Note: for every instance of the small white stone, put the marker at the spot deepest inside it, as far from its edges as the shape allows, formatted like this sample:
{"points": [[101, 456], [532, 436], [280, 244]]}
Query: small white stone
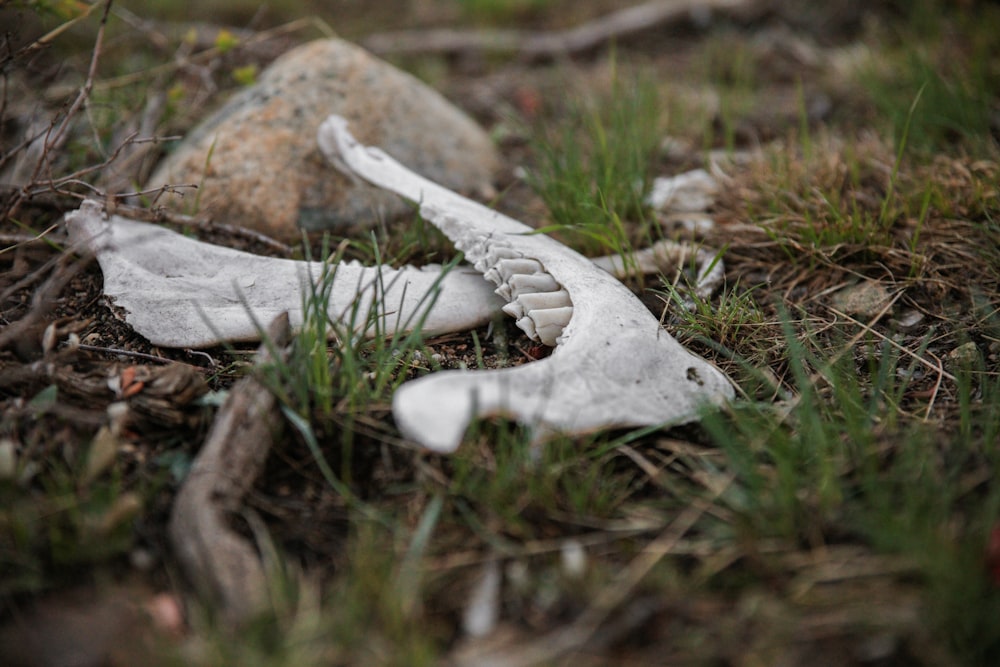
{"points": [[483, 611], [574, 559]]}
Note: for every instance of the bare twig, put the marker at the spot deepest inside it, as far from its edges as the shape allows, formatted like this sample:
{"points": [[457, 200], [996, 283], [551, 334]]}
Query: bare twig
{"points": [[46, 39], [128, 169], [201, 56], [127, 353], [55, 141], [867, 328], [55, 137], [542, 45], [578, 634], [17, 240], [164, 215]]}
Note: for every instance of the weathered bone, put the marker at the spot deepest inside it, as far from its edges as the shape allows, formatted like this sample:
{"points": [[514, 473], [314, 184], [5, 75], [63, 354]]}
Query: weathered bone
{"points": [[613, 364], [178, 292]]}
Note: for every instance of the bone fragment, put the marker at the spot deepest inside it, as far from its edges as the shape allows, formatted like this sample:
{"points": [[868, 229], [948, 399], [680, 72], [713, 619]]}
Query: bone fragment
{"points": [[613, 365], [691, 191], [178, 292], [664, 256]]}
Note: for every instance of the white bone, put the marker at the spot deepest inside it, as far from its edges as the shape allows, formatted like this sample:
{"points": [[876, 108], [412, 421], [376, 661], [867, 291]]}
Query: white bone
{"points": [[508, 268], [178, 292], [513, 309], [691, 191], [668, 255], [550, 323], [613, 365]]}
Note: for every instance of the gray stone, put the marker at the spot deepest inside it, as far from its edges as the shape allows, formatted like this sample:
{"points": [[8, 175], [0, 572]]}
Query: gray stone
{"points": [[257, 164], [965, 356], [865, 299]]}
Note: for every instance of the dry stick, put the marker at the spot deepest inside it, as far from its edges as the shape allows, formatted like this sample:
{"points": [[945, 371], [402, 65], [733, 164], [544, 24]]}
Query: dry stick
{"points": [[844, 349], [17, 240], [120, 175], [64, 269], [164, 215], [222, 565], [55, 140], [868, 329], [539, 45], [46, 39], [126, 353], [939, 368]]}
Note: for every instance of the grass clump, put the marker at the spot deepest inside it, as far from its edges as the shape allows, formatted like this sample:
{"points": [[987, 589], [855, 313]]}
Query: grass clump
{"points": [[328, 388], [592, 170], [958, 79], [840, 459]]}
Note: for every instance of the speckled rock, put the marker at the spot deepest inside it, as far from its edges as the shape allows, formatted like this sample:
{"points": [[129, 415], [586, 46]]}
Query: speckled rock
{"points": [[264, 170]]}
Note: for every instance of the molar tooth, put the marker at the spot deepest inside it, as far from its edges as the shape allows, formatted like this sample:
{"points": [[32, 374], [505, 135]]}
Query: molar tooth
{"points": [[504, 292], [544, 300], [493, 275], [498, 252], [526, 325], [550, 322], [519, 265], [513, 309], [550, 334], [536, 282]]}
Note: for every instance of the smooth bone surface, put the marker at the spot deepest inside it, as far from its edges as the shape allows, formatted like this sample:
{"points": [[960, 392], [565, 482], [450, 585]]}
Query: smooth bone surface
{"points": [[613, 364], [179, 292]]}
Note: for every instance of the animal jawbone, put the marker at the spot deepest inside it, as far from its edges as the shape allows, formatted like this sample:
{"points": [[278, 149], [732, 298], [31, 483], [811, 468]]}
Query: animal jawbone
{"points": [[613, 365]]}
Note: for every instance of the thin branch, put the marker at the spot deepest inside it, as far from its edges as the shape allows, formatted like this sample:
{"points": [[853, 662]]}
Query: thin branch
{"points": [[45, 39], [545, 45], [55, 142], [17, 240], [164, 215], [937, 368], [127, 353]]}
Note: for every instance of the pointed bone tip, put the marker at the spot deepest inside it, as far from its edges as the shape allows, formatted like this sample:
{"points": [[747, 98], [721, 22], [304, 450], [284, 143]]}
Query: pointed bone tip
{"points": [[333, 125], [89, 208], [88, 222], [329, 134]]}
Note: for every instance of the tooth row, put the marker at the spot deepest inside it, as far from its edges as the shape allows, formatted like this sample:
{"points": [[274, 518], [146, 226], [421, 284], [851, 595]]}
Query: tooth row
{"points": [[539, 304]]}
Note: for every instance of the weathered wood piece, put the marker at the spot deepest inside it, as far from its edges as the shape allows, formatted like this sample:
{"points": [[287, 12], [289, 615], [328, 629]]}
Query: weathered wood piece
{"points": [[222, 565]]}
